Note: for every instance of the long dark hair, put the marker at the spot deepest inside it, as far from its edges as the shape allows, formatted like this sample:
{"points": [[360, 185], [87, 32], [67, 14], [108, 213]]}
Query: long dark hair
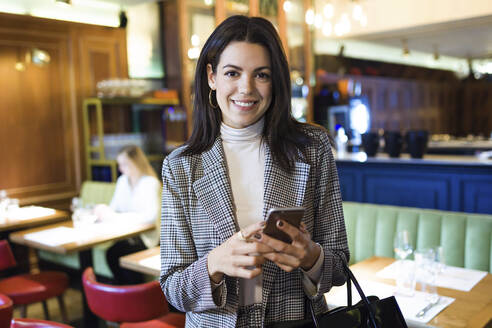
{"points": [[282, 133]]}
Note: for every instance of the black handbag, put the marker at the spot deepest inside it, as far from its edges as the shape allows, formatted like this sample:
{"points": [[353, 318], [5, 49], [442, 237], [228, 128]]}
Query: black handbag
{"points": [[370, 312]]}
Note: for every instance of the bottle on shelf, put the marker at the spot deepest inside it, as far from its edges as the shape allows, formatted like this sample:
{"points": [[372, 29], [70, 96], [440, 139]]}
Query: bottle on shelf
{"points": [[341, 141]]}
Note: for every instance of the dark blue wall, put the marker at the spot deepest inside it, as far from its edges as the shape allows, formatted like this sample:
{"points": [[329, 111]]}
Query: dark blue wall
{"points": [[445, 187]]}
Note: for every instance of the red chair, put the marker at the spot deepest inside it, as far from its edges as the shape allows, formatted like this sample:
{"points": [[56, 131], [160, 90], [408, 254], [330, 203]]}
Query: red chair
{"points": [[6, 308], [135, 306], [35, 323], [25, 289]]}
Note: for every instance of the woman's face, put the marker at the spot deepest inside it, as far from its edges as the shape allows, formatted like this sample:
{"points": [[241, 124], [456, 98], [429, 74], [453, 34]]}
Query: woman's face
{"points": [[126, 166], [243, 83]]}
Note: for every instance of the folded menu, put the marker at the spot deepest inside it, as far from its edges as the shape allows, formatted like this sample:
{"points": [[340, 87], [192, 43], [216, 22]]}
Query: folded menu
{"points": [[451, 277], [153, 262], [409, 305], [30, 212]]}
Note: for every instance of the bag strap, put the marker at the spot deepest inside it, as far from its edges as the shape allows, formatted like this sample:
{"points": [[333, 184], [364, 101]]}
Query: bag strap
{"points": [[350, 278], [349, 292]]}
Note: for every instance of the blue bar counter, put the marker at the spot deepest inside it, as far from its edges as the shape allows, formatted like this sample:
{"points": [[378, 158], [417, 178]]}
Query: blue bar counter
{"points": [[444, 182]]}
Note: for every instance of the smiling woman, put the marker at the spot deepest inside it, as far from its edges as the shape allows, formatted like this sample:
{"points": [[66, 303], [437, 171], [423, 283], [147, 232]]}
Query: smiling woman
{"points": [[242, 83], [247, 154]]}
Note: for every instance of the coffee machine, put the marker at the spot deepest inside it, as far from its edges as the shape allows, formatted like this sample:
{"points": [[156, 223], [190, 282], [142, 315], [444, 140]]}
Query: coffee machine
{"points": [[353, 115]]}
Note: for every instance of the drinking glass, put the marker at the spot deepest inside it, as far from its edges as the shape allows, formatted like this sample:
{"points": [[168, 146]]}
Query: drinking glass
{"points": [[403, 245], [440, 259], [405, 279], [427, 271], [13, 205]]}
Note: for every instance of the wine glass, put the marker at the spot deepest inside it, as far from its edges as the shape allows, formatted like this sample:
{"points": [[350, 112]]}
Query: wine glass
{"points": [[403, 244], [405, 270]]}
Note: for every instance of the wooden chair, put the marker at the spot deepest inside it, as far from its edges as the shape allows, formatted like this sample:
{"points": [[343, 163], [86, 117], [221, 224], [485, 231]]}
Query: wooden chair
{"points": [[25, 289]]}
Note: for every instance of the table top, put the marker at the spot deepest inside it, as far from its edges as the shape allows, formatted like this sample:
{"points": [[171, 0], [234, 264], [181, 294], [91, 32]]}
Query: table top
{"points": [[90, 239], [133, 261], [16, 224], [470, 309]]}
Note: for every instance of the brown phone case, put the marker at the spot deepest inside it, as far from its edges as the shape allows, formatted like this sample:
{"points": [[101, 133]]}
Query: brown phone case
{"points": [[292, 215]]}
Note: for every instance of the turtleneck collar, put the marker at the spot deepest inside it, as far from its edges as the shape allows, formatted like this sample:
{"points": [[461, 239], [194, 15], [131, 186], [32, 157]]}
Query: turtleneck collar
{"points": [[249, 133]]}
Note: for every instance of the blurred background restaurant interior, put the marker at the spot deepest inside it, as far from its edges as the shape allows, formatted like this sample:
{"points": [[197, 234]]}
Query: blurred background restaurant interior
{"points": [[413, 65], [404, 88]]}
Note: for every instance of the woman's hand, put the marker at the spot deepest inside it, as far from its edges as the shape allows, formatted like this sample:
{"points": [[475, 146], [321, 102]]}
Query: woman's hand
{"points": [[302, 252], [239, 256]]}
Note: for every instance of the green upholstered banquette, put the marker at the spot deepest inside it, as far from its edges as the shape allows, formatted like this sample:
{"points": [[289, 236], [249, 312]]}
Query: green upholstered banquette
{"points": [[466, 238]]}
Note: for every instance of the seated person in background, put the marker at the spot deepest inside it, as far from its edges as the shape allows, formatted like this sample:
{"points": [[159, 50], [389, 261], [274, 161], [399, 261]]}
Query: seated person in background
{"points": [[136, 199]]}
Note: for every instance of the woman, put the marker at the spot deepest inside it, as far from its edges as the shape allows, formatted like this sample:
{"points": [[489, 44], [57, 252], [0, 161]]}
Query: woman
{"points": [[136, 199], [246, 155]]}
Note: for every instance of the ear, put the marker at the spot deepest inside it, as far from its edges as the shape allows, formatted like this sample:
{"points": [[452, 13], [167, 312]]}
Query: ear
{"points": [[211, 77]]}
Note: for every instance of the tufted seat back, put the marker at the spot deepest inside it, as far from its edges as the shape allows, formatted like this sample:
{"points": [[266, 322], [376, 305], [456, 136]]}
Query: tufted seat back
{"points": [[94, 192], [466, 238]]}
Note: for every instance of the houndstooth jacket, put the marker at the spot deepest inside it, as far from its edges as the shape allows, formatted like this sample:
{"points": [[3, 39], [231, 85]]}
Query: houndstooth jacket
{"points": [[198, 215]]}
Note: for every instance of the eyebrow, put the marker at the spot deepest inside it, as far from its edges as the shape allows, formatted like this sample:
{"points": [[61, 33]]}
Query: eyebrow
{"points": [[240, 69]]}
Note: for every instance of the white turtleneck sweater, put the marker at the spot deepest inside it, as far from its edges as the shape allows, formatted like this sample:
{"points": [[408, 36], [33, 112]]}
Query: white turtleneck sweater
{"points": [[245, 156]]}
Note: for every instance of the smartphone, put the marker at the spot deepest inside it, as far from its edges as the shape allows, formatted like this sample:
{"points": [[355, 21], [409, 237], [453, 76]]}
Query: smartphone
{"points": [[292, 215]]}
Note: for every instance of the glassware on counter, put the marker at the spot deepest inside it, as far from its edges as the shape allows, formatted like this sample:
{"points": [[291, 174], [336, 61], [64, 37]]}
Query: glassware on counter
{"points": [[114, 88]]}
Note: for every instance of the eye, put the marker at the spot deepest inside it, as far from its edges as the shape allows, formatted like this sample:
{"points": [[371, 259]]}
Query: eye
{"points": [[231, 73], [263, 76]]}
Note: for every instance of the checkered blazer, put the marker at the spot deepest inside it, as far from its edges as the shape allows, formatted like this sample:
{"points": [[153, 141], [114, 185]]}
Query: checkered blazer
{"points": [[198, 215]]}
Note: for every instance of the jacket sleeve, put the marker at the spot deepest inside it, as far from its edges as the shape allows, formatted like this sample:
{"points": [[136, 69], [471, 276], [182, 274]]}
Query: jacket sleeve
{"points": [[184, 277], [329, 225]]}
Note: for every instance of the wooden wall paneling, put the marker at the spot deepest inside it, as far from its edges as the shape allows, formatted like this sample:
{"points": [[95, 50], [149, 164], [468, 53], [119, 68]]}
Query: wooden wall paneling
{"points": [[282, 27], [187, 80], [308, 64], [254, 7], [172, 50], [220, 11], [101, 57], [401, 104], [484, 109], [37, 132], [40, 121]]}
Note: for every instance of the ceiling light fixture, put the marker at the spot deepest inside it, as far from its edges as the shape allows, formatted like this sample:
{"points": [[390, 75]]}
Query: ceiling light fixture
{"points": [[328, 10], [349, 13], [287, 6], [310, 16]]}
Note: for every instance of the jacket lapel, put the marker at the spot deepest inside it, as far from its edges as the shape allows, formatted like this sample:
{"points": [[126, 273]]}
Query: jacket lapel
{"points": [[213, 191], [281, 190]]}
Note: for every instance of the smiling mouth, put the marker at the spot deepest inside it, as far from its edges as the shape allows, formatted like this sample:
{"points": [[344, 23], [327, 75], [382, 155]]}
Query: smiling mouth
{"points": [[244, 103]]}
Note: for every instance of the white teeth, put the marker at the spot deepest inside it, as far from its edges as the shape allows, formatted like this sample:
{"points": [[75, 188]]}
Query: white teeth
{"points": [[244, 104]]}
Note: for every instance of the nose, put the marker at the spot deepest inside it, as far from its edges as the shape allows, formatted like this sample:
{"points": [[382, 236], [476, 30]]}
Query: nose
{"points": [[246, 84]]}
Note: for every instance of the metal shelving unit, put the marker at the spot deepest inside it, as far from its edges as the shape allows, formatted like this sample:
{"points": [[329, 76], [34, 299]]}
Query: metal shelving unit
{"points": [[95, 156]]}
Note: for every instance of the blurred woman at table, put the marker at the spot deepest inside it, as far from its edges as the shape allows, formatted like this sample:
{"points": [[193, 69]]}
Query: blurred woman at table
{"points": [[136, 199], [247, 154]]}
